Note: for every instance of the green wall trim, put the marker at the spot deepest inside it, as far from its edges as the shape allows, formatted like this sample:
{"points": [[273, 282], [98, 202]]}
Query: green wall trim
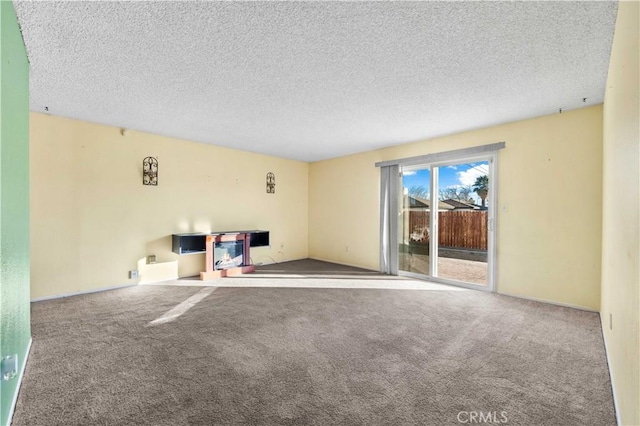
{"points": [[15, 329]]}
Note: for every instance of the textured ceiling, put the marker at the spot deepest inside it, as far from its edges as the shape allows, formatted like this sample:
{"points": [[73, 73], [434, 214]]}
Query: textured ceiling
{"points": [[314, 80]]}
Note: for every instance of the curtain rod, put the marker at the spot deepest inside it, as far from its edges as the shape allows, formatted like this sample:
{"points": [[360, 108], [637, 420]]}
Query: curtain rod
{"points": [[443, 156]]}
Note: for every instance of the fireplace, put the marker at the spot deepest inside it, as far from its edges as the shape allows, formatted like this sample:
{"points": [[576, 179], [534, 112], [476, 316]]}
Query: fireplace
{"points": [[227, 255]]}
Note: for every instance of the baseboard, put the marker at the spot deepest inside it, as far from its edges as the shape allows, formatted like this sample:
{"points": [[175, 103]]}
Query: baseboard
{"points": [[14, 401], [77, 293], [550, 302], [613, 387], [275, 262]]}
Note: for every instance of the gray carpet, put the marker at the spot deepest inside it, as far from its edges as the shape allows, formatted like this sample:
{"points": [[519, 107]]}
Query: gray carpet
{"points": [[312, 267], [305, 356]]}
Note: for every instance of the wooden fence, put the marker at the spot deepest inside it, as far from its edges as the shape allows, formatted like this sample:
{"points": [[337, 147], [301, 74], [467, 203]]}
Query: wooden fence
{"points": [[465, 229]]}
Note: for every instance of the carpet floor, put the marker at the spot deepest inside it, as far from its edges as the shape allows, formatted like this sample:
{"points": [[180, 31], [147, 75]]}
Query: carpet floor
{"points": [[314, 274], [178, 355]]}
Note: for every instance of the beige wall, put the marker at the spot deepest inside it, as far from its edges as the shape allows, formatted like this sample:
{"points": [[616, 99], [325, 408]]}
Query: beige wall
{"points": [[92, 219], [621, 205], [549, 195]]}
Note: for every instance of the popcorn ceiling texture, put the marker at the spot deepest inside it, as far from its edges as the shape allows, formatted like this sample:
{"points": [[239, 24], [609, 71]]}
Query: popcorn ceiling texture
{"points": [[314, 80]]}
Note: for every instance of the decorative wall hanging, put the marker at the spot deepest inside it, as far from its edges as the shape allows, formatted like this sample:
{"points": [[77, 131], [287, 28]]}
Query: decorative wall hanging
{"points": [[150, 171], [271, 183]]}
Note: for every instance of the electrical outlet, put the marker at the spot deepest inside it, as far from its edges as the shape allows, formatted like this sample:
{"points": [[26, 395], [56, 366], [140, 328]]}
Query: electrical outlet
{"points": [[133, 274], [346, 248], [9, 367], [151, 258], [610, 321]]}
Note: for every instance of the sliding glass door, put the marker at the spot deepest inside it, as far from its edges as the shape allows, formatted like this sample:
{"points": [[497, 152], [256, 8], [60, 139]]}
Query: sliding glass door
{"points": [[445, 225], [413, 226], [463, 222]]}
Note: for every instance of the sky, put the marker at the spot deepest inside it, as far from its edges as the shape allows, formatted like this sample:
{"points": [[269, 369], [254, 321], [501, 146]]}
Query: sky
{"points": [[456, 175]]}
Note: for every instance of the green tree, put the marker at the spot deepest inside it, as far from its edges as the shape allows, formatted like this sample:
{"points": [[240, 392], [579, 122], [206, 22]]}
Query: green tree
{"points": [[481, 187]]}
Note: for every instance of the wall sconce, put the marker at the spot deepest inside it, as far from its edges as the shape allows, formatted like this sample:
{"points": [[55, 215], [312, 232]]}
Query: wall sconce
{"points": [[150, 171], [271, 183]]}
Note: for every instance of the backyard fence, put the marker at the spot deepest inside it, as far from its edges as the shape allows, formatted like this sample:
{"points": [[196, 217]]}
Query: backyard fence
{"points": [[465, 229]]}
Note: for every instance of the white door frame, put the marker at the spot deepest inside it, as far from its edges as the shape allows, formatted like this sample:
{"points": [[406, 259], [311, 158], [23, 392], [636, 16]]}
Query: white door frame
{"points": [[491, 286]]}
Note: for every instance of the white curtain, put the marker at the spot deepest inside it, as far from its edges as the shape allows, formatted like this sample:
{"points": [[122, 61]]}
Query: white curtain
{"points": [[389, 195]]}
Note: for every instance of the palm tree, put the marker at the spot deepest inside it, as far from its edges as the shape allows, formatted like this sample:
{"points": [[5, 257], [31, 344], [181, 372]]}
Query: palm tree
{"points": [[481, 187]]}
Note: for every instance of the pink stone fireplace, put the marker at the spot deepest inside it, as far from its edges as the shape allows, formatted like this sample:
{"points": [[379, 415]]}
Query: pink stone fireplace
{"points": [[231, 259]]}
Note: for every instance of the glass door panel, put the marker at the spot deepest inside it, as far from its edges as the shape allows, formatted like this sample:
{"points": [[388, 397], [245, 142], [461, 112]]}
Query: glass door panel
{"points": [[463, 218], [413, 220]]}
